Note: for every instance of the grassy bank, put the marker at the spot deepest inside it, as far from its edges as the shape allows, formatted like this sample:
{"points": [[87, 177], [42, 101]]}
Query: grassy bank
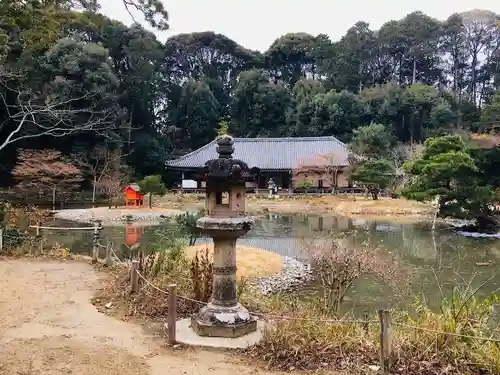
{"points": [[359, 206], [427, 343], [299, 336]]}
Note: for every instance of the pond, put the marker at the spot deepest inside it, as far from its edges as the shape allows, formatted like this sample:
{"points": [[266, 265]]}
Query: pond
{"points": [[436, 265]]}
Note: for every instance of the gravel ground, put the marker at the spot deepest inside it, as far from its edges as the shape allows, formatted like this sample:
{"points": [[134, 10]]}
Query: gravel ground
{"points": [[116, 215], [49, 327]]}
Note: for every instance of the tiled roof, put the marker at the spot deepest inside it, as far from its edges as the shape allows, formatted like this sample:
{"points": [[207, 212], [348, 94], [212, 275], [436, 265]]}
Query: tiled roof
{"points": [[273, 153], [136, 187]]}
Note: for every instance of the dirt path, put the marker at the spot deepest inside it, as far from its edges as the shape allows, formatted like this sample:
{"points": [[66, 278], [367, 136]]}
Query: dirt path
{"points": [[48, 326]]}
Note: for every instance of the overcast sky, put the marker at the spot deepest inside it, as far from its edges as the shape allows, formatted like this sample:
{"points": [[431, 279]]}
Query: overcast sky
{"points": [[256, 24]]}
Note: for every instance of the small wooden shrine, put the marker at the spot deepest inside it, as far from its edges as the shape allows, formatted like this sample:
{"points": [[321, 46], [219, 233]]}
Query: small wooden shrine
{"points": [[133, 196]]}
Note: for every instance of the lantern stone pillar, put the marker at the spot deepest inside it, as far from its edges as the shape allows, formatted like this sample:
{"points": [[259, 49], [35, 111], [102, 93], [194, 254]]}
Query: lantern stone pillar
{"points": [[226, 220]]}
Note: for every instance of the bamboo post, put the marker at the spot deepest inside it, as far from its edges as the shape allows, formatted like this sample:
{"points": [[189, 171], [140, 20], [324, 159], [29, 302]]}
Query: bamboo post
{"points": [[172, 313], [95, 242], [385, 340], [134, 277], [108, 261], [365, 323]]}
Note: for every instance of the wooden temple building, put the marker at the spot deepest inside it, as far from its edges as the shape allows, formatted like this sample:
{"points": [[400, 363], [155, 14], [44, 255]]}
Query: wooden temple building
{"points": [[316, 162]]}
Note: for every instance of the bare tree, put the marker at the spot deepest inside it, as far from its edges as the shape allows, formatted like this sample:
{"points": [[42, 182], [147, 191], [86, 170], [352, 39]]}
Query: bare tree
{"points": [[324, 166], [98, 163], [45, 170], [338, 264], [112, 182], [483, 42], [34, 115]]}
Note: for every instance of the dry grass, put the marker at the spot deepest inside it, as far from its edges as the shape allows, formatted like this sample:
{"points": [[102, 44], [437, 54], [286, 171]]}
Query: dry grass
{"points": [[180, 201], [171, 267], [251, 261], [307, 342], [485, 140], [312, 346], [343, 205], [346, 205], [381, 207]]}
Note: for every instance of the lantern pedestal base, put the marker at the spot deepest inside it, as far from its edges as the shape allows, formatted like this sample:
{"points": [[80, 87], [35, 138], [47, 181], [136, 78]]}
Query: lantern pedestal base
{"points": [[219, 321]]}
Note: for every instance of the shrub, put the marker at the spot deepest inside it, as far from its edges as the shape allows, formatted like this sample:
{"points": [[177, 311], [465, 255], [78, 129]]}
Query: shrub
{"points": [[337, 265], [16, 221], [186, 223], [3, 214], [22, 217], [13, 238]]}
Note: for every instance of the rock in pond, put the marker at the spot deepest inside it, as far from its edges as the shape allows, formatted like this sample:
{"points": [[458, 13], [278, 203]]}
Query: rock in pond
{"points": [[294, 274]]}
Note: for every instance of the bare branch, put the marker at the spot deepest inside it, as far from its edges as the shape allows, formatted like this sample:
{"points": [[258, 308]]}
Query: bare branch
{"points": [[152, 10], [34, 117], [338, 264], [99, 160], [113, 178], [325, 166]]}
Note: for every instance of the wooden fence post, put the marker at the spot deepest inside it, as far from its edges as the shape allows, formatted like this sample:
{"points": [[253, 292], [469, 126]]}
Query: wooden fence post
{"points": [[172, 313], [385, 340], [134, 277]]}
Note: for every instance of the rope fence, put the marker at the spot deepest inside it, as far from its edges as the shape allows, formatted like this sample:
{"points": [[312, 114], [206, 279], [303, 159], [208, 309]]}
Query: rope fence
{"points": [[385, 323], [453, 334]]}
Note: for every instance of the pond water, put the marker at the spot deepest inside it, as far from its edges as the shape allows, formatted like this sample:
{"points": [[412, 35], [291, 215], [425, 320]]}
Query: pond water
{"points": [[436, 265]]}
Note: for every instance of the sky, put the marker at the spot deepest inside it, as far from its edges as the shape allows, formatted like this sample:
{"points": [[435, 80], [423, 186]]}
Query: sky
{"points": [[256, 24]]}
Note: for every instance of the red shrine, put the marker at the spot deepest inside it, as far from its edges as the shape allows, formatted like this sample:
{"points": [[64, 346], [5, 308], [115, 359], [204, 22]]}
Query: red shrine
{"points": [[133, 196]]}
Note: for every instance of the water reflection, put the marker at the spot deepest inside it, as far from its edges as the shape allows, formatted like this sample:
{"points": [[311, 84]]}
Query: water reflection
{"points": [[437, 265], [133, 234]]}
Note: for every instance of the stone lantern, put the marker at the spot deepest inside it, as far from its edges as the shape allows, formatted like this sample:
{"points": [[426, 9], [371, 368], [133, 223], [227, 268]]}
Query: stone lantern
{"points": [[225, 221]]}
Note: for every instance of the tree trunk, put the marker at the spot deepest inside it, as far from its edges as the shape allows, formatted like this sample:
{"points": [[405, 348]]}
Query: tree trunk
{"points": [[414, 73], [109, 203], [94, 188], [150, 200], [474, 74], [411, 120], [54, 198]]}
